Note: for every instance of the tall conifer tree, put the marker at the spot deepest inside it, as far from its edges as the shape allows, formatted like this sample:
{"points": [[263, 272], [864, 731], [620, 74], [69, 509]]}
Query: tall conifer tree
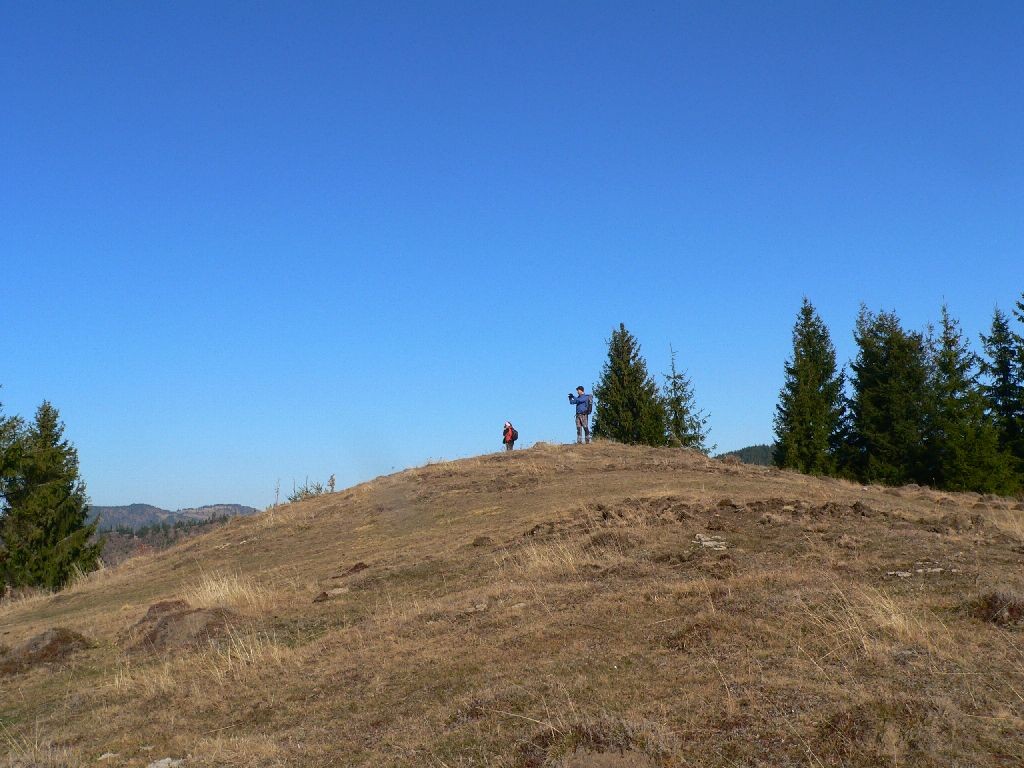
{"points": [[10, 436], [628, 406], [685, 425], [965, 454], [891, 402], [810, 410], [46, 537], [1003, 370]]}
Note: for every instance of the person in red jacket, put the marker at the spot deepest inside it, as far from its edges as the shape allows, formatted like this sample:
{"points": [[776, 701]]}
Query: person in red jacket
{"points": [[509, 436]]}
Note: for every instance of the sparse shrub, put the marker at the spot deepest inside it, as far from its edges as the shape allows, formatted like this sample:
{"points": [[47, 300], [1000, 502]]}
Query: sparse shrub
{"points": [[307, 490]]}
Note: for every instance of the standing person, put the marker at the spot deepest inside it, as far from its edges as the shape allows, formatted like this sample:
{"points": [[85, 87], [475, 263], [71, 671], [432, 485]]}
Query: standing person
{"points": [[509, 436], [584, 406]]}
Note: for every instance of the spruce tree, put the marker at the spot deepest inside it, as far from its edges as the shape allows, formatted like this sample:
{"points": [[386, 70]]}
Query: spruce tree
{"points": [[628, 406], [685, 425], [1003, 370], [891, 402], [1018, 448], [965, 454], [10, 443], [809, 414], [45, 533]]}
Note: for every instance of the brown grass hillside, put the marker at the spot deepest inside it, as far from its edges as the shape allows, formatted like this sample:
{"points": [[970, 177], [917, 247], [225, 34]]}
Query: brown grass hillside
{"points": [[575, 606]]}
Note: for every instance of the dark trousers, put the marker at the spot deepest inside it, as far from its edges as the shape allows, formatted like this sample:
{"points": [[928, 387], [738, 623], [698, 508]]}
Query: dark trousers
{"points": [[582, 427]]}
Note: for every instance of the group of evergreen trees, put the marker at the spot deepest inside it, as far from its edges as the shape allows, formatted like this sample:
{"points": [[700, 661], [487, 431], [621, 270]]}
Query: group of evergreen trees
{"points": [[916, 407], [44, 538], [631, 408]]}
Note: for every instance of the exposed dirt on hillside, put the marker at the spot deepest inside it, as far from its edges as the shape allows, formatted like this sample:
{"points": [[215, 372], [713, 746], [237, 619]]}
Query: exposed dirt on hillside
{"points": [[560, 606], [49, 647], [174, 624]]}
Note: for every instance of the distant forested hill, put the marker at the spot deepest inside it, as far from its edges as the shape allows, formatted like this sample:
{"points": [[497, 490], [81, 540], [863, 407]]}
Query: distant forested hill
{"points": [[752, 454], [122, 542], [133, 516]]}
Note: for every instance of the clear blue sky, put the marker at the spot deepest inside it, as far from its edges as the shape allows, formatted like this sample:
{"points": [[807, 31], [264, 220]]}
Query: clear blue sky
{"points": [[243, 242]]}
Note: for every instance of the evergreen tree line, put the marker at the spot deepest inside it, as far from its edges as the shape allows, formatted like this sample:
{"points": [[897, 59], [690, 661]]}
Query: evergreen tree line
{"points": [[165, 529], [630, 407], [44, 537], [914, 407]]}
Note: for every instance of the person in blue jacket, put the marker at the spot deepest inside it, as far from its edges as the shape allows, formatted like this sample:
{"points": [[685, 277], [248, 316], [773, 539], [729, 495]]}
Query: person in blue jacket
{"points": [[584, 406]]}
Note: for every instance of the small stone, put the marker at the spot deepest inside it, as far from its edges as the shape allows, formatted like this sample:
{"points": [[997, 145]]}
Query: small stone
{"points": [[898, 574], [107, 755], [710, 542], [167, 762]]}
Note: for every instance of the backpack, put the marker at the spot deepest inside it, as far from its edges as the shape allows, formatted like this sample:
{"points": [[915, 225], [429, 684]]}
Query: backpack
{"points": [[590, 405], [515, 434]]}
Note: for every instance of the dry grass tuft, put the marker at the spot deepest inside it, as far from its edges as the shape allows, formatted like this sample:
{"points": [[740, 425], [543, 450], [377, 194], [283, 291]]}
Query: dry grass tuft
{"points": [[229, 590], [866, 619], [22, 599], [31, 598], [547, 560], [241, 651], [1009, 521], [242, 655], [33, 750]]}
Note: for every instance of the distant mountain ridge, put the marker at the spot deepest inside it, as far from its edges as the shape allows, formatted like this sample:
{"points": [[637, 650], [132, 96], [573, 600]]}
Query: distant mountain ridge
{"points": [[140, 515]]}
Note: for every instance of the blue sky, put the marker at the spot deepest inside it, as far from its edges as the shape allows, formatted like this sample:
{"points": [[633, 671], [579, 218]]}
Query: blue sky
{"points": [[251, 242]]}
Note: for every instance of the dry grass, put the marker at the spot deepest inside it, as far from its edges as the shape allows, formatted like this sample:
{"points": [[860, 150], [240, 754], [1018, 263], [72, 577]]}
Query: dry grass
{"points": [[1010, 521], [23, 599], [228, 590], [32, 750], [238, 658], [552, 607]]}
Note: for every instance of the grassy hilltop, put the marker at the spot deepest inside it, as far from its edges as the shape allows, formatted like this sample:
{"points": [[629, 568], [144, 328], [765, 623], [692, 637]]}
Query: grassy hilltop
{"points": [[603, 606]]}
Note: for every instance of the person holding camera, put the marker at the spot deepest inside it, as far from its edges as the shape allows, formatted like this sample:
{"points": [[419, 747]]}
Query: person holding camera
{"points": [[584, 407]]}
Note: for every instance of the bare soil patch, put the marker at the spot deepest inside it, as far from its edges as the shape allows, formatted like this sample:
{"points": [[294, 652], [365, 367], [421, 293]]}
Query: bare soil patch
{"points": [[174, 624], [1000, 607], [50, 647]]}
